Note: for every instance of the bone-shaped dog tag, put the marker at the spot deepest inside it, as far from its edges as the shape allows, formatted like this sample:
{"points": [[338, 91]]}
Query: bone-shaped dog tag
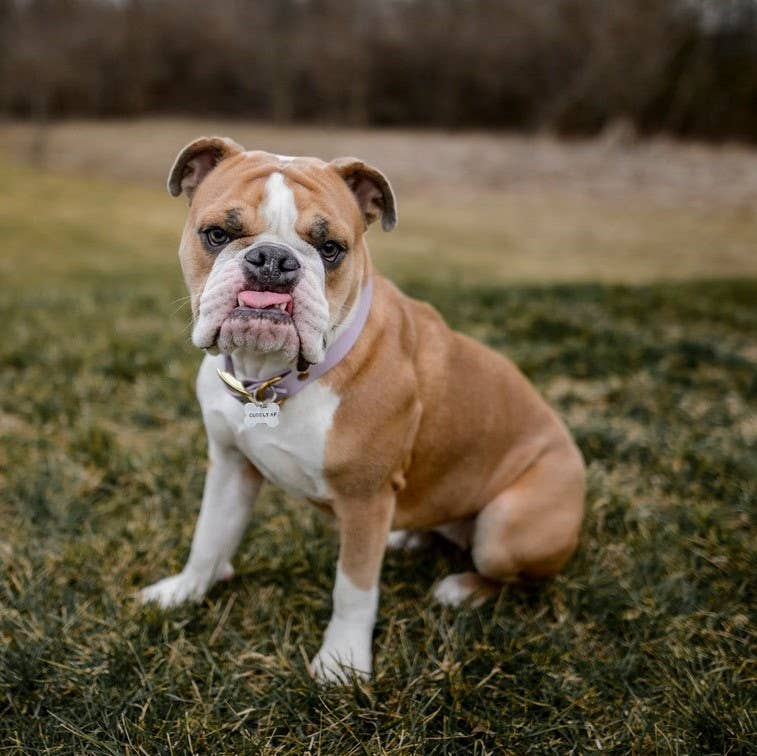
{"points": [[261, 413]]}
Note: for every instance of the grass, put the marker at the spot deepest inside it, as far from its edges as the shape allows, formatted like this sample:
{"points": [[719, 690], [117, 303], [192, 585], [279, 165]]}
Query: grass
{"points": [[644, 644]]}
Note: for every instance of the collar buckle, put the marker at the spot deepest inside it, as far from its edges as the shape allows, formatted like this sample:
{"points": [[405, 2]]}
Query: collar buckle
{"points": [[260, 391], [257, 394]]}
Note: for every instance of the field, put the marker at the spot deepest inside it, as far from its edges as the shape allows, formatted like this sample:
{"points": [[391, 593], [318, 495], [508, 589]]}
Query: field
{"points": [[622, 279]]}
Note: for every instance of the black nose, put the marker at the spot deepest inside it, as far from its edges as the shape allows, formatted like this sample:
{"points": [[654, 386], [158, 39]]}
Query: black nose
{"points": [[272, 264]]}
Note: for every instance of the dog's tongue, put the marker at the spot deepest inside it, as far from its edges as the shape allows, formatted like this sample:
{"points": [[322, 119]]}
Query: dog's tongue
{"points": [[262, 299]]}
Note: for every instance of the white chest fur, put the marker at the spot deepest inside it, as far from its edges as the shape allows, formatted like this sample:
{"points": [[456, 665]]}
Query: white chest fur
{"points": [[290, 455]]}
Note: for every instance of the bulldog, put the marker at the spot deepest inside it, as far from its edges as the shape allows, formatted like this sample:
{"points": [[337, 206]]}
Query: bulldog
{"points": [[323, 378]]}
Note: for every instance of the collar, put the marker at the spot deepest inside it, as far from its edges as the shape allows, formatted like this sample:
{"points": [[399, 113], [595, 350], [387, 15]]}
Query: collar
{"points": [[282, 386]]}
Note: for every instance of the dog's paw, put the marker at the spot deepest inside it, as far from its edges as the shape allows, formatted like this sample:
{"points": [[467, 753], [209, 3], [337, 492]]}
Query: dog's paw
{"points": [[408, 540], [456, 589], [329, 667], [175, 590], [346, 652]]}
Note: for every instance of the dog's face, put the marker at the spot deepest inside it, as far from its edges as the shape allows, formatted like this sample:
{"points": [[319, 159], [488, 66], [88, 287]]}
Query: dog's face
{"points": [[272, 251]]}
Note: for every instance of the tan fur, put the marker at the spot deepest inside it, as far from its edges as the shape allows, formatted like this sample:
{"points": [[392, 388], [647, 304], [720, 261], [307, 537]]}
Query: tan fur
{"points": [[432, 427], [458, 431]]}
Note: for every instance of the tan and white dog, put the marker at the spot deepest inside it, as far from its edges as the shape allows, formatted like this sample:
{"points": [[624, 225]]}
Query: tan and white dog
{"points": [[416, 428]]}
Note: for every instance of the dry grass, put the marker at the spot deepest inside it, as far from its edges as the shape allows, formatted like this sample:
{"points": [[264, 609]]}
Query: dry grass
{"points": [[478, 206]]}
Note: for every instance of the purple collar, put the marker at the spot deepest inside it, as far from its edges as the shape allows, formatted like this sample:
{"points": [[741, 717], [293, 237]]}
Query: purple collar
{"points": [[282, 386]]}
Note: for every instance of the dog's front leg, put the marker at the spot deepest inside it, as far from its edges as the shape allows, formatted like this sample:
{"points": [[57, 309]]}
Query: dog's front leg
{"points": [[231, 485], [363, 530]]}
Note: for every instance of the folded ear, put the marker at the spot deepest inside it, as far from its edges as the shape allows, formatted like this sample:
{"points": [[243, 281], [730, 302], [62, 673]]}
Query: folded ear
{"points": [[196, 161], [371, 189]]}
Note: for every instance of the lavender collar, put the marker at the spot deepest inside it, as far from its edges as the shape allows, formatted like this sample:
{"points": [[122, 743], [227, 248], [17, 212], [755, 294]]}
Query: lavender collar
{"points": [[285, 385]]}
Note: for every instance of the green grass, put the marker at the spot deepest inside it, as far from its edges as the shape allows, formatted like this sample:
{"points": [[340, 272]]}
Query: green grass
{"points": [[645, 643]]}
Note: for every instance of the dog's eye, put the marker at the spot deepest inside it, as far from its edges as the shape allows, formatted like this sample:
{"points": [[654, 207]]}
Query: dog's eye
{"points": [[330, 250], [216, 237]]}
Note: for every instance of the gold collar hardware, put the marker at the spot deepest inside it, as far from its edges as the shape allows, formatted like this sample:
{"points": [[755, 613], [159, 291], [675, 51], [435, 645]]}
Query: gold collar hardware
{"points": [[269, 384], [258, 394]]}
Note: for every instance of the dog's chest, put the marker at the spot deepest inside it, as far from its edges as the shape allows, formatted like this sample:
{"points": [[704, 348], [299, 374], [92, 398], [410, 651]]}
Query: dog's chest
{"points": [[290, 455]]}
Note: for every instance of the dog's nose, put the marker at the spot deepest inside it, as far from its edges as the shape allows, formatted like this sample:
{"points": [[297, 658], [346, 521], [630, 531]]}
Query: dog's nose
{"points": [[272, 264]]}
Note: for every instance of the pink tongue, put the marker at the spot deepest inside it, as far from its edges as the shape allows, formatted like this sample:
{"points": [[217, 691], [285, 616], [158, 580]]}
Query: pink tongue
{"points": [[262, 299]]}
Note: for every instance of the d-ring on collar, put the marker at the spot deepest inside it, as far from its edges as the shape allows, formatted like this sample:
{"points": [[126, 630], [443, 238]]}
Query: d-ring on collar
{"points": [[278, 388]]}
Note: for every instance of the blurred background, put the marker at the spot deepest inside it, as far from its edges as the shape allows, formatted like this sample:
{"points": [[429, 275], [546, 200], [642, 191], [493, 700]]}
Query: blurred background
{"points": [[686, 67], [542, 138]]}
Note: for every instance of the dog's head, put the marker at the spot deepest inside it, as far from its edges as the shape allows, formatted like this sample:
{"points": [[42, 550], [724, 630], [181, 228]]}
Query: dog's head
{"points": [[272, 250]]}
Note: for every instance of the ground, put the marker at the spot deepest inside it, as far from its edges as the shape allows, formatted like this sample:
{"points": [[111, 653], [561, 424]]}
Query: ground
{"points": [[646, 641]]}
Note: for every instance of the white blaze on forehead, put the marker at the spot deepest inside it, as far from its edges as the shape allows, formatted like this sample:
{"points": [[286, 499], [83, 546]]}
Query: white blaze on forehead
{"points": [[279, 209]]}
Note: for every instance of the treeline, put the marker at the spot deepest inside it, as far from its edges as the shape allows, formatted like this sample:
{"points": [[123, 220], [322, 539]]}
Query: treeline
{"points": [[573, 66]]}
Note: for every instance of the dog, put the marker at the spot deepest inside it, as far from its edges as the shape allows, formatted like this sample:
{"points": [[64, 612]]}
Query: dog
{"points": [[323, 378]]}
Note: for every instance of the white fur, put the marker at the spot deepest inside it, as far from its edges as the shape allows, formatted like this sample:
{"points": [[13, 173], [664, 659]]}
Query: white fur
{"points": [[219, 296], [290, 455], [453, 590], [408, 540], [280, 211], [456, 589], [347, 642]]}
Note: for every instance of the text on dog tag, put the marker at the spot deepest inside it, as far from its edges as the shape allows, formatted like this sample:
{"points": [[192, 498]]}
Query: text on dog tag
{"points": [[261, 413]]}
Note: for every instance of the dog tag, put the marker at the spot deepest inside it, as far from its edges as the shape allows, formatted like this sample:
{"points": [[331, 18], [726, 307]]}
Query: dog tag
{"points": [[261, 413]]}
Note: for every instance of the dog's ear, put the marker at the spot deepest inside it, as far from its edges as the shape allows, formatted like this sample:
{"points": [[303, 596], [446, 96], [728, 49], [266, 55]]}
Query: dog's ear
{"points": [[196, 161], [372, 191]]}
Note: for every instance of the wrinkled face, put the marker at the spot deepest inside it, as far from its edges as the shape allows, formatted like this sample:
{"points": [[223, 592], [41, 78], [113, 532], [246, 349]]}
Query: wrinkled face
{"points": [[272, 253]]}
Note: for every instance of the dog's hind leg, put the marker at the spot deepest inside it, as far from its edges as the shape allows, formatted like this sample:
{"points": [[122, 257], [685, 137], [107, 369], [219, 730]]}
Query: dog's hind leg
{"points": [[529, 530]]}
